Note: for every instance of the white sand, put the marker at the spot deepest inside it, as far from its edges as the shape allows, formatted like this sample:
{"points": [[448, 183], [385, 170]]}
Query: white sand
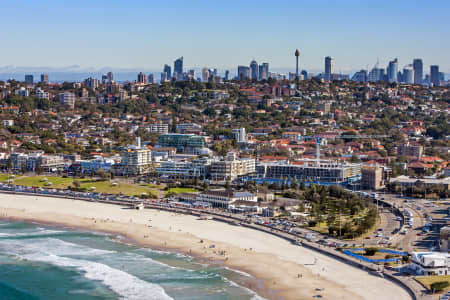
{"points": [[357, 283]]}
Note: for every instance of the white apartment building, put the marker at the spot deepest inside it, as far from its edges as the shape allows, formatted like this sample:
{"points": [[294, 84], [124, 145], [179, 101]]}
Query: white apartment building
{"points": [[231, 168], [67, 98], [159, 128], [40, 94], [135, 162]]}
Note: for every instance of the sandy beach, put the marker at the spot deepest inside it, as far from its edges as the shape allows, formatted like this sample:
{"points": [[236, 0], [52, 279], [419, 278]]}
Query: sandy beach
{"points": [[285, 271]]}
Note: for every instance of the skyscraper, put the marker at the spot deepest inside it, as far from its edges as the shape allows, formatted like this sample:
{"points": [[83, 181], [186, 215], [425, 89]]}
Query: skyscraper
{"points": [[141, 78], [360, 76], [227, 75], [29, 79], [329, 64], [305, 74], [151, 79], [264, 71], [434, 75], [243, 72], [168, 70], [110, 77], [254, 70], [392, 70], [44, 78], [205, 75], [408, 74], [376, 74], [297, 54], [178, 68], [418, 71]]}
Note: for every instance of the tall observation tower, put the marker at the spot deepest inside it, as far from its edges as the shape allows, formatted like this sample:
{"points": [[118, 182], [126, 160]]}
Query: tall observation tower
{"points": [[297, 54]]}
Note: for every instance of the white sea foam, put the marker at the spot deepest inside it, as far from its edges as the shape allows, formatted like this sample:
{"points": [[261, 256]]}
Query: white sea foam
{"points": [[49, 246], [34, 233], [52, 251], [122, 283], [239, 272]]}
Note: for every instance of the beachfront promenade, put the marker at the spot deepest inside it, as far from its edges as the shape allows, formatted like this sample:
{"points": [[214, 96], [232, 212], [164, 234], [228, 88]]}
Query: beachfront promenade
{"points": [[413, 288]]}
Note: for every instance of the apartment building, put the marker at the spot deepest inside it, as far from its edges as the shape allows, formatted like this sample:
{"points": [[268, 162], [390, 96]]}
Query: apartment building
{"points": [[231, 168], [372, 178]]}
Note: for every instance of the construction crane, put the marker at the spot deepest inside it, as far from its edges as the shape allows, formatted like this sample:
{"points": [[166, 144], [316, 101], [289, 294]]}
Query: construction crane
{"points": [[319, 140]]}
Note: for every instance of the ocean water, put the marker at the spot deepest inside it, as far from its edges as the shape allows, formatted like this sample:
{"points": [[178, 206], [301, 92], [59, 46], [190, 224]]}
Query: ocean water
{"points": [[43, 262]]}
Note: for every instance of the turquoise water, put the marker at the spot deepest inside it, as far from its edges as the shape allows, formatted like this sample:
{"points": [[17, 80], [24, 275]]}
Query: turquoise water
{"points": [[42, 262]]}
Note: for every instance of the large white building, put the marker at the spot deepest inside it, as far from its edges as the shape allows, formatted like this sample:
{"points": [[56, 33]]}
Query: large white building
{"points": [[430, 263], [323, 171], [184, 169], [40, 94], [224, 198], [135, 162], [231, 168]]}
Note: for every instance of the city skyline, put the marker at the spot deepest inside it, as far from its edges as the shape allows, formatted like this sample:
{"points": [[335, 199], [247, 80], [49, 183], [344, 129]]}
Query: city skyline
{"points": [[93, 39]]}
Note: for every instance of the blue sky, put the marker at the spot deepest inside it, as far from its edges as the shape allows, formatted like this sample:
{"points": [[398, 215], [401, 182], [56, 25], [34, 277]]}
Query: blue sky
{"points": [[147, 34]]}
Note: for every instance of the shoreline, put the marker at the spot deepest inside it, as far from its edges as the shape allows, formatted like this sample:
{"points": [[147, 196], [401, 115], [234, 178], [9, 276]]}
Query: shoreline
{"points": [[279, 270]]}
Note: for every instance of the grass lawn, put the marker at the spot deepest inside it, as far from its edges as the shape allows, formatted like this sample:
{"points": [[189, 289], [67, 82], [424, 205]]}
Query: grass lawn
{"points": [[180, 190], [428, 280], [5, 177], [152, 186], [100, 186], [323, 227], [124, 188], [57, 182]]}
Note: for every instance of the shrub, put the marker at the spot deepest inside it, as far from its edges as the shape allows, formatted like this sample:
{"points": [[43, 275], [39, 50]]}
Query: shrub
{"points": [[312, 223], [370, 251], [439, 286]]}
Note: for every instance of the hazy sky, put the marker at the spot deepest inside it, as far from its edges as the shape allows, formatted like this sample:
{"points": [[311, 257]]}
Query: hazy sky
{"points": [[147, 34]]}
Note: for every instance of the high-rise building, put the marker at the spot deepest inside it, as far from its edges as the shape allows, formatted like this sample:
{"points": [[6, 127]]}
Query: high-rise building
{"points": [[329, 64], [304, 73], [376, 74], [392, 71], [360, 76], [227, 75], [44, 78], [408, 74], [151, 79], [297, 54], [400, 76], [243, 72], [372, 177], [29, 79], [205, 75], [434, 75], [264, 71], [91, 83], [168, 70], [110, 77], [418, 71], [104, 79], [141, 78], [178, 68], [254, 70]]}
